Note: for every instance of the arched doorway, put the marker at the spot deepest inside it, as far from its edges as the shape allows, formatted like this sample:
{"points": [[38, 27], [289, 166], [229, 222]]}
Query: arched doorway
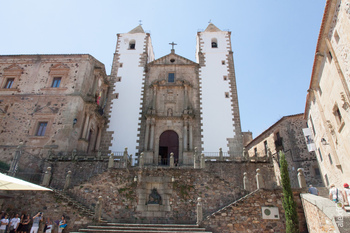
{"points": [[168, 142]]}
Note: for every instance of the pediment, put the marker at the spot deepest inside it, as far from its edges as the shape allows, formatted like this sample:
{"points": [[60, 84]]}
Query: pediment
{"points": [[13, 70], [172, 59], [45, 110], [59, 69]]}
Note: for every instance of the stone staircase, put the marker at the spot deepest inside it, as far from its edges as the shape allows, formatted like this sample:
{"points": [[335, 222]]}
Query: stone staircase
{"points": [[84, 210], [145, 228]]}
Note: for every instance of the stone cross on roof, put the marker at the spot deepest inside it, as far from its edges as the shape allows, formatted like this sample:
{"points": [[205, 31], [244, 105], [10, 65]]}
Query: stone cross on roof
{"points": [[172, 47]]}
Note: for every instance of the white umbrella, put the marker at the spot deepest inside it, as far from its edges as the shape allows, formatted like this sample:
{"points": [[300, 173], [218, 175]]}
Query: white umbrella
{"points": [[11, 183]]}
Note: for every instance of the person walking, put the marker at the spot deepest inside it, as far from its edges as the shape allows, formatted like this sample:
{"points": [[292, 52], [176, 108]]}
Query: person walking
{"points": [[313, 190]]}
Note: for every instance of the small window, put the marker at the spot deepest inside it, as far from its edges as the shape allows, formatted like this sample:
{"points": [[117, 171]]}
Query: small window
{"points": [[119, 79], [255, 152], [319, 152], [227, 95], [214, 43], [120, 65], [336, 36], [223, 62], [337, 114], [330, 56], [265, 147], [117, 95], [330, 159], [56, 82], [225, 78], [327, 181], [132, 44], [171, 77], [41, 129], [9, 83], [317, 172]]}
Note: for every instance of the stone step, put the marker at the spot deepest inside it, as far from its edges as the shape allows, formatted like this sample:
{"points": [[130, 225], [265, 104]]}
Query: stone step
{"points": [[145, 228]]}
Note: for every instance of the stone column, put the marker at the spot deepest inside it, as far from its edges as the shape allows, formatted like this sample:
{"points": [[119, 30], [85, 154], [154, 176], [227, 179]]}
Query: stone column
{"points": [[301, 178], [259, 180], [221, 156], [154, 97], [111, 161], [98, 209], [152, 135], [172, 160], [47, 177], [141, 161], [85, 125], [185, 136], [245, 181], [147, 134], [199, 211], [202, 161], [67, 183], [185, 98], [191, 136]]}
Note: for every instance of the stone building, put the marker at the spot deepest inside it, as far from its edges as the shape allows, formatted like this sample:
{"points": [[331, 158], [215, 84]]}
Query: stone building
{"points": [[327, 103], [286, 135], [53, 104]]}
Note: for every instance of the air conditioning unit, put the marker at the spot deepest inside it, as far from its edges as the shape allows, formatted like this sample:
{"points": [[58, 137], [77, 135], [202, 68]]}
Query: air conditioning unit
{"points": [[270, 212]]}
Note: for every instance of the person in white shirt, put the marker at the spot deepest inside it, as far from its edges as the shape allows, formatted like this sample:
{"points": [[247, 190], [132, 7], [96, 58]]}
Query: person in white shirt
{"points": [[335, 195], [14, 222], [36, 220], [4, 222], [346, 194]]}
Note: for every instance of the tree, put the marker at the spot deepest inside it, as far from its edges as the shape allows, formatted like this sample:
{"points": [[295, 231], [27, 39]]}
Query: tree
{"points": [[289, 206]]}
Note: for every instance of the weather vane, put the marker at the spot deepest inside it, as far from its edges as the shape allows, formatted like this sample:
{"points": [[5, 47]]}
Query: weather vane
{"points": [[140, 22], [209, 21]]}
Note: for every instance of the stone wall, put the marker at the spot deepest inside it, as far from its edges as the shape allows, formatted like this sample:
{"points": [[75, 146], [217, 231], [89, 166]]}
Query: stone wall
{"points": [[246, 215], [126, 192], [31, 202]]}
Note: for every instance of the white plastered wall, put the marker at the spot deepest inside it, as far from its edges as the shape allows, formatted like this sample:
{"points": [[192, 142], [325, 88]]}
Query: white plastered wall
{"points": [[217, 112]]}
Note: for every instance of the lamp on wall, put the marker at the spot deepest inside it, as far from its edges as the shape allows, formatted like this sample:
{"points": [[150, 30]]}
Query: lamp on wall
{"points": [[135, 178], [74, 121], [324, 141]]}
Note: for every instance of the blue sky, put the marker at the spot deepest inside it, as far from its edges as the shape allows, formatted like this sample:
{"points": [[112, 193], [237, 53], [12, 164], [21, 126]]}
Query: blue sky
{"points": [[273, 41]]}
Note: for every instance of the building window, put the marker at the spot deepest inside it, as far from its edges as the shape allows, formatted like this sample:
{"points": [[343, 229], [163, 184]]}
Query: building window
{"points": [[265, 147], [330, 159], [327, 181], [330, 56], [255, 152], [227, 95], [9, 83], [132, 44], [313, 127], [214, 43], [56, 82], [171, 77], [336, 36], [117, 95], [225, 78], [223, 62], [337, 115], [41, 129], [317, 172], [119, 79], [319, 152]]}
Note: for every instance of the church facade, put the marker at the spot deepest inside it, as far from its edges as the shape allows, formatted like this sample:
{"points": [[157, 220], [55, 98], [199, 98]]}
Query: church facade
{"points": [[168, 106]]}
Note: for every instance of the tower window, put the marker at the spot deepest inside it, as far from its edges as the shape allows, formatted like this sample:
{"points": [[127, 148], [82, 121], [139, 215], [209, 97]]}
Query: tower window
{"points": [[214, 43], [119, 79], [132, 44], [171, 77], [9, 83], [56, 82], [337, 115], [223, 62], [227, 95], [225, 78]]}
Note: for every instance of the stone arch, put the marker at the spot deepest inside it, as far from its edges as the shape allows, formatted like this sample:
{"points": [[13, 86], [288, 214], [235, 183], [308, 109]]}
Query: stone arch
{"points": [[168, 143]]}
